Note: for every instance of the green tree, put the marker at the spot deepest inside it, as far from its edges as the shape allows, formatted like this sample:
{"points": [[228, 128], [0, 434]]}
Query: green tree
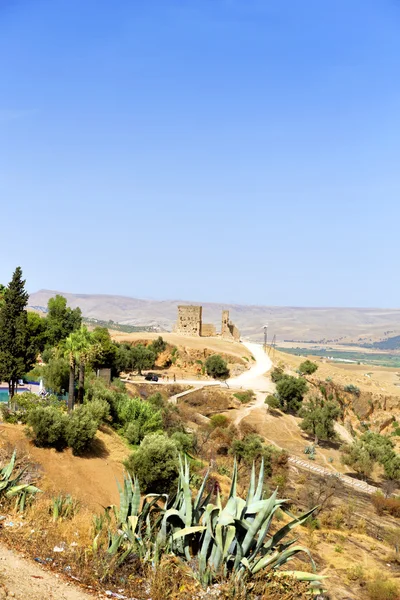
{"points": [[15, 359], [155, 463], [61, 320], [291, 391], [56, 374], [138, 418], [78, 349], [319, 418], [48, 426], [216, 367], [142, 358], [106, 354], [307, 367], [276, 374], [81, 429], [252, 448], [357, 457], [391, 464], [158, 345]]}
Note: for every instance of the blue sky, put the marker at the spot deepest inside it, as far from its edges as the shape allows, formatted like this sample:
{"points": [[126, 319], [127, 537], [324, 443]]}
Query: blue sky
{"points": [[223, 150]]}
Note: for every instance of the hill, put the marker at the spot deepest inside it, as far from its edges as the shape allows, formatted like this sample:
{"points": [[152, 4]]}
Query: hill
{"points": [[287, 323]]}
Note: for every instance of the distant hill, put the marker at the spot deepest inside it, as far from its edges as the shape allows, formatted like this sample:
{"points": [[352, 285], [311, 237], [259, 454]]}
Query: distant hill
{"points": [[339, 325]]}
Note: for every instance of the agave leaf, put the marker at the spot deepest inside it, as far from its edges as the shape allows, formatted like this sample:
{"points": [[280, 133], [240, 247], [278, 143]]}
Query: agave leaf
{"points": [[281, 533], [188, 531], [24, 487], [116, 541], [257, 523], [228, 513], [301, 575], [277, 559], [232, 492], [252, 487], [259, 491], [133, 521], [8, 469], [229, 538], [197, 503], [136, 498]]}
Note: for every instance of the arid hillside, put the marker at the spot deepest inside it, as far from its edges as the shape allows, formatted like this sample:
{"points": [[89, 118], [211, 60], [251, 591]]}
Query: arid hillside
{"points": [[287, 323]]}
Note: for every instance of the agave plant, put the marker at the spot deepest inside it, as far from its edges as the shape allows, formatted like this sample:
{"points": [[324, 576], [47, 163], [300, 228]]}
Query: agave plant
{"points": [[134, 524], [64, 507], [234, 538], [11, 488]]}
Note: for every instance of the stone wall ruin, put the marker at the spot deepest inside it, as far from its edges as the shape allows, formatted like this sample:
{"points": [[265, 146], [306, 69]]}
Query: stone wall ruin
{"points": [[190, 323]]}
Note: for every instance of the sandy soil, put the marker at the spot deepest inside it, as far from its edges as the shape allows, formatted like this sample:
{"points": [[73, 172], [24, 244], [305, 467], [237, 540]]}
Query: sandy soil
{"points": [[91, 479], [23, 579], [197, 343], [381, 380]]}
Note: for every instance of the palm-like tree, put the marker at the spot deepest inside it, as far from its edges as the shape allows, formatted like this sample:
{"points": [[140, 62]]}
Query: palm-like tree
{"points": [[78, 349]]}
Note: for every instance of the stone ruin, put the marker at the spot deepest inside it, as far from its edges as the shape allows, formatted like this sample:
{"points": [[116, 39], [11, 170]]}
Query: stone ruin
{"points": [[190, 322]]}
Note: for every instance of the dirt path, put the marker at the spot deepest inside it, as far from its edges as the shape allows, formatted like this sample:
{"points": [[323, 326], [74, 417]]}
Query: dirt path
{"points": [[22, 579]]}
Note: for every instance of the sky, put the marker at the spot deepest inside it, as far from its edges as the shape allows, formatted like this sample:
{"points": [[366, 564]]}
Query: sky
{"points": [[240, 151]]}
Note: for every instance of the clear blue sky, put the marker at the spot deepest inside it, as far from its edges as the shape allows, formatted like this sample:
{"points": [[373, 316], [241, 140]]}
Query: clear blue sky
{"points": [[221, 150]]}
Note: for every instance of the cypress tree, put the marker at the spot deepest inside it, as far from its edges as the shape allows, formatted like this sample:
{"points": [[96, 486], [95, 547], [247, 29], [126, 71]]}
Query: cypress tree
{"points": [[13, 331]]}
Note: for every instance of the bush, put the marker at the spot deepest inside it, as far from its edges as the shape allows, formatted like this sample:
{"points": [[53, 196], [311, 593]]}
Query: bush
{"points": [[48, 427], [389, 505], [219, 421], [352, 389], [245, 397], [307, 367], [158, 346], [272, 401], [138, 418], [216, 367], [155, 463], [184, 441], [8, 415], [277, 374], [290, 391], [99, 409], [80, 430], [250, 449], [381, 588]]}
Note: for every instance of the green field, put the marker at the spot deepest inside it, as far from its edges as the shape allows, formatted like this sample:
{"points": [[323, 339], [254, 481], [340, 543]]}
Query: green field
{"points": [[376, 359]]}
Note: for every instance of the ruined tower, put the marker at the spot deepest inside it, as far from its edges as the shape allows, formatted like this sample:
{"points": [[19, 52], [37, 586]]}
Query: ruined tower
{"points": [[189, 320]]}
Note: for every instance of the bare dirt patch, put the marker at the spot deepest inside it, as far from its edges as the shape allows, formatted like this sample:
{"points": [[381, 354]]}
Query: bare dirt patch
{"points": [[91, 479]]}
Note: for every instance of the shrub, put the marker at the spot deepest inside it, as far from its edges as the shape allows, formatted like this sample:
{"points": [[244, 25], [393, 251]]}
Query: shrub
{"points": [[48, 427], [158, 346], [99, 409], [352, 389], [81, 429], [155, 463], [8, 415], [250, 449], [381, 588], [276, 374], [307, 367], [389, 505], [219, 421], [290, 391], [216, 367], [138, 418], [184, 441], [245, 397], [272, 401]]}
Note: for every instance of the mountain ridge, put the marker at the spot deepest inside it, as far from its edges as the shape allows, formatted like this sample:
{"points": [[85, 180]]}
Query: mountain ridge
{"points": [[286, 322]]}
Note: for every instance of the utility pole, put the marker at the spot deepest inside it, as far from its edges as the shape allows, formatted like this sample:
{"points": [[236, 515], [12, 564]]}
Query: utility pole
{"points": [[265, 337]]}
